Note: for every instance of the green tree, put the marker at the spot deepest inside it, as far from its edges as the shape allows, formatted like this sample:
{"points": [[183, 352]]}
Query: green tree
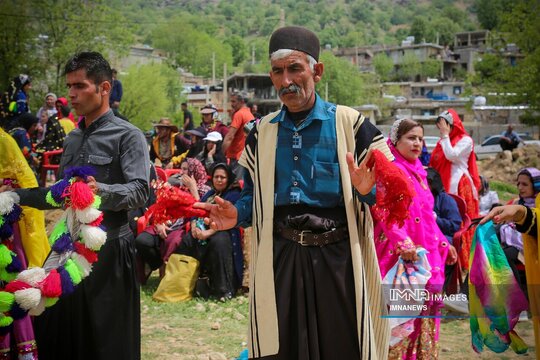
{"points": [[384, 66], [431, 68], [19, 42], [71, 26], [150, 92], [345, 85], [239, 49], [524, 28], [409, 67], [419, 29], [192, 49], [489, 12]]}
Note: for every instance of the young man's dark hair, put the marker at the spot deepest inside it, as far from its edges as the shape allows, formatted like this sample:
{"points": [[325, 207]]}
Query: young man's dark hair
{"points": [[97, 68], [184, 104]]}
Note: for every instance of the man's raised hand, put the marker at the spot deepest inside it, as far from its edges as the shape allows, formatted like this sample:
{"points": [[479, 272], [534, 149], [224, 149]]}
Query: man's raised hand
{"points": [[223, 214]]}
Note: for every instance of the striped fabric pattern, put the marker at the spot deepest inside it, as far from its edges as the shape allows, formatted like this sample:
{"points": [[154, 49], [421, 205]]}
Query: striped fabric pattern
{"points": [[354, 135]]}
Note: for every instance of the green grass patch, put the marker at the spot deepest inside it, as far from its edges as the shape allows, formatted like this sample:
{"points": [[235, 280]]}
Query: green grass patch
{"points": [[504, 190], [184, 330]]}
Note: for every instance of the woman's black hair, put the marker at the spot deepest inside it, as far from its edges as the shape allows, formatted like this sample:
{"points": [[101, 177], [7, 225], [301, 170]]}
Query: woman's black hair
{"points": [[434, 181]]}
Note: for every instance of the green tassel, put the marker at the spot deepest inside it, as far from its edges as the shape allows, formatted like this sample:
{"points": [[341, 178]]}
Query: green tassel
{"points": [[6, 301], [5, 256], [2, 220], [7, 276], [73, 272], [59, 229], [49, 199], [97, 202], [51, 301], [5, 320]]}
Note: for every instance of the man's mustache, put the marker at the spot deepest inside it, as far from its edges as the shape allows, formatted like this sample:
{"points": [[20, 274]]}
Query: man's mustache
{"points": [[293, 88]]}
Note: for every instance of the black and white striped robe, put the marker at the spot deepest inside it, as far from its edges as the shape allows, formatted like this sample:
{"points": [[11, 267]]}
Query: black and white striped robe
{"points": [[353, 135]]}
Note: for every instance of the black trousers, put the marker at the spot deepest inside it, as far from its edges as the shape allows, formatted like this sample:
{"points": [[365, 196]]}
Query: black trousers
{"points": [[215, 256], [316, 305]]}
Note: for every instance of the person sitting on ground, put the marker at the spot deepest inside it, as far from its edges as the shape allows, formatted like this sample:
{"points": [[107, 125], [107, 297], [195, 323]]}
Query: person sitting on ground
{"points": [[218, 252], [157, 242], [528, 184], [167, 143], [510, 139], [488, 198], [212, 153]]}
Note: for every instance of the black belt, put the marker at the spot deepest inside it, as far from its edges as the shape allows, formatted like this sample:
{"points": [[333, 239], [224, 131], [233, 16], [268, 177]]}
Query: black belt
{"points": [[310, 238]]}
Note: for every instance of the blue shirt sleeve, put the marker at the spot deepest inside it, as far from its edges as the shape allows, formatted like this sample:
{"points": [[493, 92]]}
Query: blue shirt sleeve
{"points": [[244, 205]]}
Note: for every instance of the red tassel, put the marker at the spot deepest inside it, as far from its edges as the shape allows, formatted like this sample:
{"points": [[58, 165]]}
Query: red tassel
{"points": [[88, 254], [51, 286], [173, 203], [81, 195], [17, 285], [98, 221], [394, 193]]}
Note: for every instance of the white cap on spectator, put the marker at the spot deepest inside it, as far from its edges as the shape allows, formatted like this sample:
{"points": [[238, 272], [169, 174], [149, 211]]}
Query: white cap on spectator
{"points": [[213, 136]]}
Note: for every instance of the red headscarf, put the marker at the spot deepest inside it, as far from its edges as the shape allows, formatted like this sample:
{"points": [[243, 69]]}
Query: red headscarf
{"points": [[443, 166], [64, 102]]}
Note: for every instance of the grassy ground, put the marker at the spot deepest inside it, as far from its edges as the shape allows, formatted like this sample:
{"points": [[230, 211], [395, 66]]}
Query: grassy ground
{"points": [[194, 329], [212, 330]]}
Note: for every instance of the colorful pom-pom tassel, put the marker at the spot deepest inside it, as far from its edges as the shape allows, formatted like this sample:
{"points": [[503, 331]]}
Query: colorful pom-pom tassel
{"points": [[16, 285], [50, 200], [63, 243], [82, 264], [5, 256], [5, 321], [97, 202], [98, 221], [58, 190], [73, 271], [6, 202], [59, 229], [81, 195], [14, 214], [6, 301], [32, 276], [6, 231], [51, 286], [28, 298], [88, 254], [51, 301], [39, 309], [79, 171], [93, 237], [67, 284], [88, 215], [15, 266]]}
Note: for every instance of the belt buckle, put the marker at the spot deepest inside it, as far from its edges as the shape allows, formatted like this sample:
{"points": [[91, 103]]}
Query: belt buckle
{"points": [[302, 242]]}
